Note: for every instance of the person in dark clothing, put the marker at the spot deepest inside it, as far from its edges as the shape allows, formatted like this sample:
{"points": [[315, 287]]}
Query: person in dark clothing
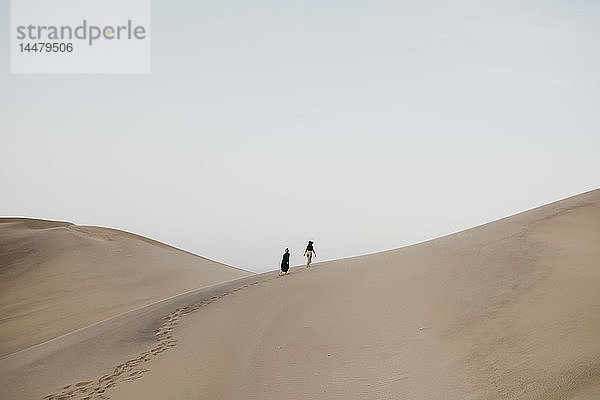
{"points": [[285, 263], [309, 252]]}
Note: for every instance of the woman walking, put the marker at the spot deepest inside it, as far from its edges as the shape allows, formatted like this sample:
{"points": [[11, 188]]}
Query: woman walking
{"points": [[308, 253], [285, 263]]}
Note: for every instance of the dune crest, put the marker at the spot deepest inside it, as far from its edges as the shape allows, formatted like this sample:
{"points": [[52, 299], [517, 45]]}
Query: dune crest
{"points": [[506, 310], [57, 277]]}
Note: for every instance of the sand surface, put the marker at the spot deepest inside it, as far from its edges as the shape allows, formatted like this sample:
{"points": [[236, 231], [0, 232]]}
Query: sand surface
{"points": [[507, 310], [56, 277]]}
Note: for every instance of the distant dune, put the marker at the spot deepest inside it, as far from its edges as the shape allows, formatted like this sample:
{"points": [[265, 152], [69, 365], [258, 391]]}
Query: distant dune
{"points": [[56, 277], [506, 310]]}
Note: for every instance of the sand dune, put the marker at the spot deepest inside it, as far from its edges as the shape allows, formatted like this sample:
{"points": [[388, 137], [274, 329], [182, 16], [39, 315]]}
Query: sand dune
{"points": [[57, 277], [507, 310]]}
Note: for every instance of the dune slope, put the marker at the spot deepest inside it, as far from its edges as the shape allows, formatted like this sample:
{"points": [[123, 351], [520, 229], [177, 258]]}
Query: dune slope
{"points": [[56, 277], [506, 310]]}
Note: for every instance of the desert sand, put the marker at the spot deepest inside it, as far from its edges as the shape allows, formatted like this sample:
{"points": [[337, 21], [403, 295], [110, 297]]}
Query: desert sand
{"points": [[57, 277], [506, 310]]}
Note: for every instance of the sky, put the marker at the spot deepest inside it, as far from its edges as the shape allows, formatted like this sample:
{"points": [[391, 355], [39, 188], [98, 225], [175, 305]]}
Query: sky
{"points": [[360, 125]]}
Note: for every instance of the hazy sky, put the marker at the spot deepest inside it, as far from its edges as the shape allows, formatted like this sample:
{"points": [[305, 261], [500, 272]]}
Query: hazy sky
{"points": [[361, 125]]}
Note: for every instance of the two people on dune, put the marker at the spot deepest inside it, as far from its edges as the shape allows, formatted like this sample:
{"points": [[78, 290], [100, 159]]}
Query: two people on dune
{"points": [[308, 253]]}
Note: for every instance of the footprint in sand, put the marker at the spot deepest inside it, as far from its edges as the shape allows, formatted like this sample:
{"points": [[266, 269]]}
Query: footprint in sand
{"points": [[123, 372]]}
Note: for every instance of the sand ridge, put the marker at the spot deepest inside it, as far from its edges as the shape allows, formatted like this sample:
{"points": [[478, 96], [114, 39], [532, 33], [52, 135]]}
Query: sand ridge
{"points": [[507, 310], [133, 369], [57, 277]]}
